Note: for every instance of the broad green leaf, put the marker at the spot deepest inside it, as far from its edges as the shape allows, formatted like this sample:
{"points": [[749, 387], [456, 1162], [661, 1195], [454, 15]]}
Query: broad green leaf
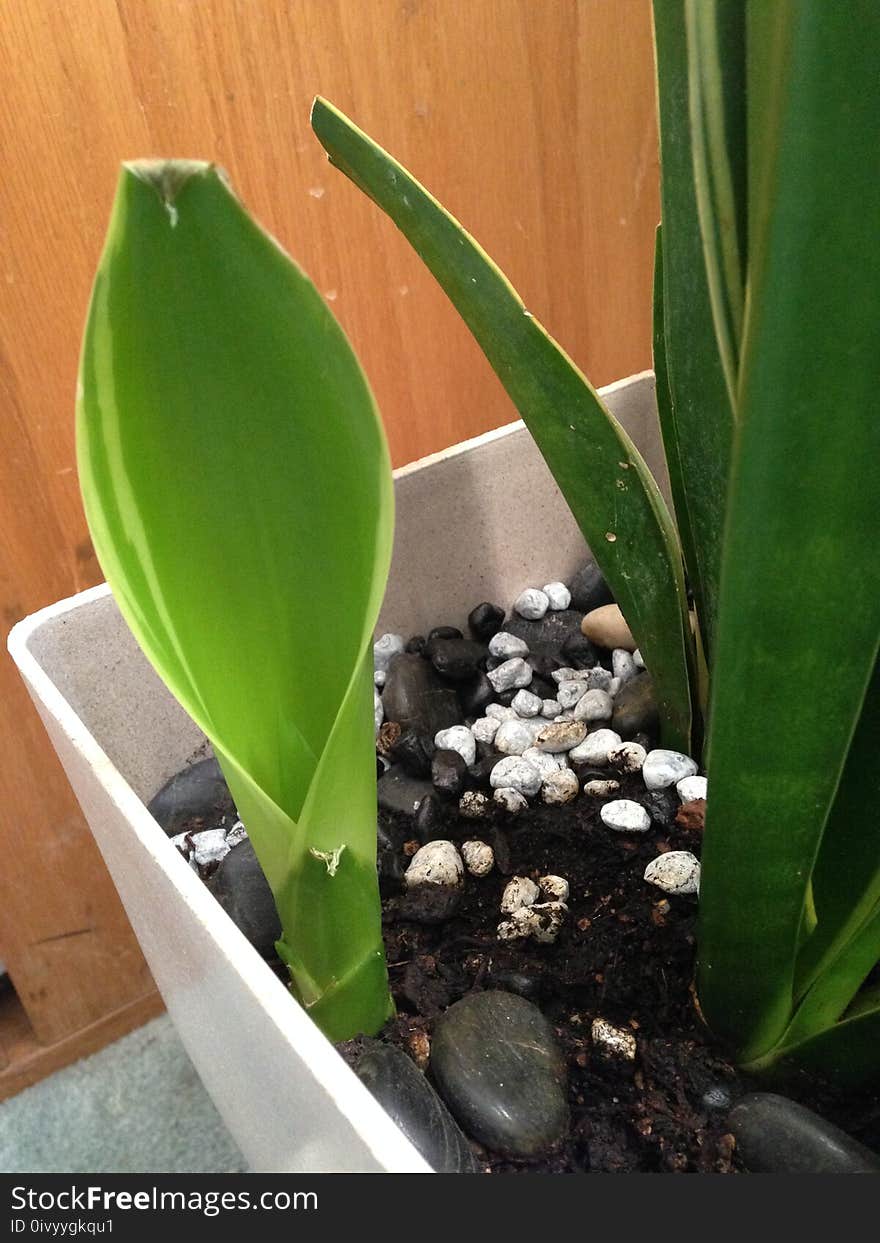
{"points": [[836, 987], [237, 486], [698, 393], [845, 1053], [801, 577], [601, 474]]}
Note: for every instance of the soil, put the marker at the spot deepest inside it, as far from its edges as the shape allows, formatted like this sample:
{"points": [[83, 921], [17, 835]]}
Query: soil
{"points": [[626, 954]]}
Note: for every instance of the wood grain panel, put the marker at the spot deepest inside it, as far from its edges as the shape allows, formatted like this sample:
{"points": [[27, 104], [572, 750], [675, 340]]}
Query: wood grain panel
{"points": [[532, 119]]}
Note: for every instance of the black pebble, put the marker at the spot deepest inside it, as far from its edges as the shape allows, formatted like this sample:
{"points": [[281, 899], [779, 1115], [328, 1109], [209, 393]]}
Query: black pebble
{"points": [[397, 791], [243, 891], [485, 621], [196, 793], [390, 862], [430, 821], [416, 645], [449, 773], [416, 698], [775, 1135], [475, 695], [589, 589], [579, 653], [479, 772], [662, 806], [456, 659], [413, 752], [444, 632], [529, 986]]}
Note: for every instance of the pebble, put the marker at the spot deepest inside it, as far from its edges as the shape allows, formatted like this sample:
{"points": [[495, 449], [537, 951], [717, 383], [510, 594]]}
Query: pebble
{"points": [[544, 761], [777, 1136], [578, 651], [243, 891], [625, 816], [606, 627], [595, 705], [554, 887], [520, 891], [662, 806], [379, 677], [398, 791], [623, 665], [473, 805], [601, 789], [457, 659], [614, 687], [500, 712], [436, 863], [510, 800], [516, 773], [198, 792], [410, 1101], [595, 748], [526, 704], [691, 788], [485, 620], [531, 604], [485, 728], [613, 1042], [417, 698], [514, 737], [550, 708], [567, 674], [559, 787], [635, 708], [209, 846], [665, 768], [548, 636], [475, 695], [497, 1064], [558, 595], [512, 675], [238, 833], [388, 646], [589, 589], [569, 694], [457, 738], [479, 857], [676, 871], [629, 757], [560, 736], [542, 922], [430, 821], [637, 657], [520, 982], [507, 646], [449, 771]]}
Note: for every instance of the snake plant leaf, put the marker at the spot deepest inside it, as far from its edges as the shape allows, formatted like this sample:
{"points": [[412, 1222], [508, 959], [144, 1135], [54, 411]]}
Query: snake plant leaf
{"points": [[845, 1052], [235, 475], [698, 394], [598, 469], [801, 577]]}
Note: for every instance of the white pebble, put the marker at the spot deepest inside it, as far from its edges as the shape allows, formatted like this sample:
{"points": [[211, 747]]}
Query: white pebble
{"points": [[571, 693], [541, 922], [664, 768], [560, 736], [511, 675], [437, 863], [596, 705], [388, 646], [514, 737], [512, 801], [485, 728], [690, 788], [625, 816], [544, 761], [613, 1041], [524, 703], [509, 931], [531, 604], [601, 789], [568, 715], [678, 871], [520, 891], [209, 846], [479, 857], [380, 676], [559, 787], [500, 712], [637, 657], [567, 674], [558, 595], [515, 772], [595, 748], [507, 645], [628, 757], [550, 708], [554, 887], [473, 805], [378, 710], [614, 687], [457, 738], [236, 834], [623, 665]]}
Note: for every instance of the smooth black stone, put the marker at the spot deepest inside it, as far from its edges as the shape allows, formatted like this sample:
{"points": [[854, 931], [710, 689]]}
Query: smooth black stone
{"points": [[474, 696], [543, 666], [777, 1136], [506, 698], [405, 1094], [417, 698], [413, 752], [662, 806], [648, 741], [445, 632], [449, 773], [243, 891], [479, 772], [589, 589], [416, 644], [579, 653], [520, 982], [635, 708], [430, 820], [380, 766], [399, 792], [196, 793], [485, 621], [497, 1064], [390, 860], [501, 846], [542, 688], [430, 904], [457, 659], [546, 637]]}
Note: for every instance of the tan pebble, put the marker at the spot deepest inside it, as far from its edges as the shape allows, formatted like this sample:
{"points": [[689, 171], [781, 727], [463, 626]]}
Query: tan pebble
{"points": [[606, 626], [419, 1046]]}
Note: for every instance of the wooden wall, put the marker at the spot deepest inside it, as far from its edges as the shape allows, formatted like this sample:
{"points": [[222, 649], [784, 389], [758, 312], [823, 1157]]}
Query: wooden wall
{"points": [[533, 120]]}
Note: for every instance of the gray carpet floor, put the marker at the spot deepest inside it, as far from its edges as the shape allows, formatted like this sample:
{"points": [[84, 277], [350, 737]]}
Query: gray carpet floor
{"points": [[137, 1106]]}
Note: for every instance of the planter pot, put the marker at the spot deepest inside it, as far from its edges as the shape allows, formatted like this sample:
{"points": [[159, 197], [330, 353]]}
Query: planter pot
{"points": [[477, 522]]}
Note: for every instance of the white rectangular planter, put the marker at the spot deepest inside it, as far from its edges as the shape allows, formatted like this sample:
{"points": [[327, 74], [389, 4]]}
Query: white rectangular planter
{"points": [[477, 522]]}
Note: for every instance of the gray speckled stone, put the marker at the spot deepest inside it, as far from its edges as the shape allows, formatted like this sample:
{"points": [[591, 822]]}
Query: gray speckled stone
{"points": [[777, 1136], [498, 1066]]}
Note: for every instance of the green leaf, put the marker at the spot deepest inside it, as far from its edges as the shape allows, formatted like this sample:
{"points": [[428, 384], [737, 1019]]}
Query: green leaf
{"points": [[234, 474], [845, 1053], [698, 393], [801, 576], [601, 474], [836, 987]]}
